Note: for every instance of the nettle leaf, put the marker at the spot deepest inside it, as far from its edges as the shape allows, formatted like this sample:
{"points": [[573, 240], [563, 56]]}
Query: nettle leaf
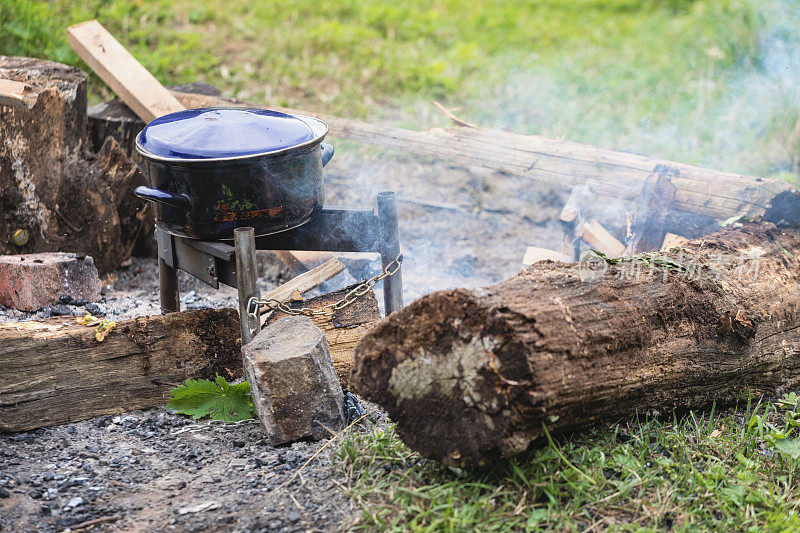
{"points": [[217, 399], [790, 447]]}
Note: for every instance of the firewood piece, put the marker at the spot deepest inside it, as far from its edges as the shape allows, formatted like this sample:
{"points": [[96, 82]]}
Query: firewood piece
{"points": [[343, 329], [471, 376], [672, 241], [134, 84], [302, 261], [534, 254], [295, 389], [616, 175], [307, 281], [575, 210], [600, 239], [655, 202], [55, 371], [17, 93]]}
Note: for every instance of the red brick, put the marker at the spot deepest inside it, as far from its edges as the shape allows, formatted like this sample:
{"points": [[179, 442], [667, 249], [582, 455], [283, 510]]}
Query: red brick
{"points": [[32, 281]]}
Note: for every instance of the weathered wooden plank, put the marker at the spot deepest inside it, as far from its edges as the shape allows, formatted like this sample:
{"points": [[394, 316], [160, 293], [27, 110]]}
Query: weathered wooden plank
{"points": [[134, 84], [562, 164], [55, 371]]}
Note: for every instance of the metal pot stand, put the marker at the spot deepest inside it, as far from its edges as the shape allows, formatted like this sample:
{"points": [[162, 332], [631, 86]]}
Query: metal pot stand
{"points": [[328, 230]]}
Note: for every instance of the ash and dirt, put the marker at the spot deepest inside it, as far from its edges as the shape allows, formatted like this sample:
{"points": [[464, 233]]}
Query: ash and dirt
{"points": [[154, 470]]}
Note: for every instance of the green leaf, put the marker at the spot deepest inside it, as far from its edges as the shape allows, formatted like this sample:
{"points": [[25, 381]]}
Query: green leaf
{"points": [[790, 447], [789, 401], [217, 399]]}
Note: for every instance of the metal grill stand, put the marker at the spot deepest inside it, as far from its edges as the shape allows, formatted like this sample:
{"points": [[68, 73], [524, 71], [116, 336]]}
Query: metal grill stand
{"points": [[329, 230]]}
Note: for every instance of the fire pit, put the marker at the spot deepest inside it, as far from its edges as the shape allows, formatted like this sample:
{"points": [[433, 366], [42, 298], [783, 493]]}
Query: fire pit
{"points": [[329, 229]]}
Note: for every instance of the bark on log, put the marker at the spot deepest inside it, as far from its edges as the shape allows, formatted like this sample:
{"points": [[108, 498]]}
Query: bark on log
{"points": [[55, 371], [471, 376], [618, 175], [343, 329], [65, 197]]}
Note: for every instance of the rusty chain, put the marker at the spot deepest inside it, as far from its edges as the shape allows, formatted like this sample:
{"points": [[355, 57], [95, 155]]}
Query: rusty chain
{"points": [[257, 307]]}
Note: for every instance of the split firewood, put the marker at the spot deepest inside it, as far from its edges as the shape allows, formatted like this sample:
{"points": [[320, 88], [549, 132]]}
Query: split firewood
{"points": [[472, 376], [17, 94], [672, 241], [57, 196], [599, 238], [305, 282], [534, 254], [56, 371]]}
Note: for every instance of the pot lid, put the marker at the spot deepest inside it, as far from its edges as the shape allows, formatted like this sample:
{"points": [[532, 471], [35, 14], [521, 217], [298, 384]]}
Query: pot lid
{"points": [[213, 133]]}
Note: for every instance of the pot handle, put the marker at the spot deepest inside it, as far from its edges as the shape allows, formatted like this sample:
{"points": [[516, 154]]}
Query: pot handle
{"points": [[156, 195], [327, 153]]}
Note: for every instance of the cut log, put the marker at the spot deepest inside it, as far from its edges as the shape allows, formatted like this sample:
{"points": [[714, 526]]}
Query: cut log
{"points": [[54, 194], [471, 376], [18, 94], [55, 371], [712, 195], [343, 329]]}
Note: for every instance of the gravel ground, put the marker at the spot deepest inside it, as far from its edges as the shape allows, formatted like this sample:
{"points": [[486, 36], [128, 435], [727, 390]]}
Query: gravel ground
{"points": [[154, 471]]}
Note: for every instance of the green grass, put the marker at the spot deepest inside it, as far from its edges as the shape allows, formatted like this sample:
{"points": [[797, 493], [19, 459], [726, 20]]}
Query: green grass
{"points": [[736, 471], [712, 82]]}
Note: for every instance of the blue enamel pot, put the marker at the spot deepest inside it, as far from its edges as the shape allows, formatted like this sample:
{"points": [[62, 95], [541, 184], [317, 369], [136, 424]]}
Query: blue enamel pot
{"points": [[213, 170]]}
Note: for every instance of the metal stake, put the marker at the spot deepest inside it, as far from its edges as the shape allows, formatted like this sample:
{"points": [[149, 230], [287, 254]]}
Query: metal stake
{"points": [[390, 248], [168, 286], [246, 280]]}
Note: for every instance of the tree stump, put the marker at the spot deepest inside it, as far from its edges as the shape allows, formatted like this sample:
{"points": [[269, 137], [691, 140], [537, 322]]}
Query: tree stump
{"points": [[55, 194]]}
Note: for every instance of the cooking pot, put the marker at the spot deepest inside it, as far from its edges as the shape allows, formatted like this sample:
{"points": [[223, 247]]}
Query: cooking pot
{"points": [[213, 170]]}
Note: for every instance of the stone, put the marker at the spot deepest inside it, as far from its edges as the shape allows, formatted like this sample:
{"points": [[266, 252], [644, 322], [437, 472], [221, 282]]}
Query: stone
{"points": [[294, 385], [30, 282]]}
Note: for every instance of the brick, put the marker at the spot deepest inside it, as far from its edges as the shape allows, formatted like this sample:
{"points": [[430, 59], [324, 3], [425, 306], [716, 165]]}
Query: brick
{"points": [[32, 281], [294, 385]]}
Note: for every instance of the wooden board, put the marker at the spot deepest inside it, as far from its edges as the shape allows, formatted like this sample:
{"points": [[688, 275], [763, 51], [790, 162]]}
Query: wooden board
{"points": [[133, 83], [55, 371]]}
